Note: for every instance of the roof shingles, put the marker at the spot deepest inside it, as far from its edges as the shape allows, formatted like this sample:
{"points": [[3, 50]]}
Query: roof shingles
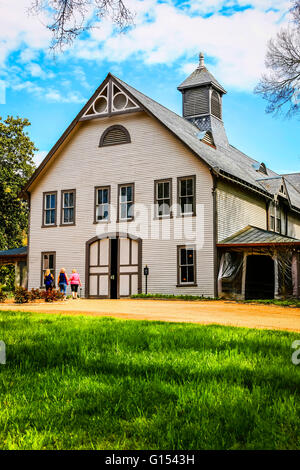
{"points": [[255, 236]]}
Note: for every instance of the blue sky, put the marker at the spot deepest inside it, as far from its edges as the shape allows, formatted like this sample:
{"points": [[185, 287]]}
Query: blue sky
{"points": [[155, 56]]}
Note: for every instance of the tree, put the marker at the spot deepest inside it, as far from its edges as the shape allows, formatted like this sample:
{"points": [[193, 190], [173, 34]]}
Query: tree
{"points": [[69, 18], [280, 86], [16, 166]]}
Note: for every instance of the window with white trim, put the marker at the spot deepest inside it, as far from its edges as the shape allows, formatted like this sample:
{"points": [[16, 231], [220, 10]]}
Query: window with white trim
{"points": [[126, 201], [163, 198], [68, 207], [277, 218], [49, 217], [102, 204], [186, 265], [186, 195]]}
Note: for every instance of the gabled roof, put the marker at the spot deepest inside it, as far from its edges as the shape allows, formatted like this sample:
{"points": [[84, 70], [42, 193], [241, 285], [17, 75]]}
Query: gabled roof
{"points": [[293, 178], [201, 76], [256, 236], [225, 161], [272, 185]]}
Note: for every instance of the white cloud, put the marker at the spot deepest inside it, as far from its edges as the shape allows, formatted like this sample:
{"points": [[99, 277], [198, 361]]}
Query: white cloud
{"points": [[237, 42], [56, 96], [211, 6], [46, 93], [39, 157], [36, 71], [18, 28], [163, 34], [27, 55], [80, 76]]}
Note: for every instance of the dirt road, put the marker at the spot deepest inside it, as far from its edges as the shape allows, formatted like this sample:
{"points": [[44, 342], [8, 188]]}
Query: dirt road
{"points": [[205, 312]]}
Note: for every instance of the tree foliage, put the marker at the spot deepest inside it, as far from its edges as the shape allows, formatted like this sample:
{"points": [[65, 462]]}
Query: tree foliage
{"points": [[280, 85], [16, 166], [70, 18]]}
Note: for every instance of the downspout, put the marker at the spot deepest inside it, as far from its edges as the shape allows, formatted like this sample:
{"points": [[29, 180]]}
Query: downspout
{"points": [[215, 231], [28, 194]]}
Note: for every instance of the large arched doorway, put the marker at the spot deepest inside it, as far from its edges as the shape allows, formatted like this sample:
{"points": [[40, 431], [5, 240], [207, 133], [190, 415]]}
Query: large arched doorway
{"points": [[260, 277], [113, 266]]}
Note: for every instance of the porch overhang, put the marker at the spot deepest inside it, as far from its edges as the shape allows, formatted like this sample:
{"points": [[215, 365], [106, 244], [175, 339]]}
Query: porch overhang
{"points": [[13, 256], [254, 237], [258, 245]]}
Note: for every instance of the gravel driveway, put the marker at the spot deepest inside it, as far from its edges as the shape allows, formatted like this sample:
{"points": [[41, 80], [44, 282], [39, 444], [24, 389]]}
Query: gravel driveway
{"points": [[205, 312]]}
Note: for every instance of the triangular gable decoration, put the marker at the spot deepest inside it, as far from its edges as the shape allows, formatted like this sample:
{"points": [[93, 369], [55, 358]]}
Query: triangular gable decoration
{"points": [[100, 104], [110, 100]]}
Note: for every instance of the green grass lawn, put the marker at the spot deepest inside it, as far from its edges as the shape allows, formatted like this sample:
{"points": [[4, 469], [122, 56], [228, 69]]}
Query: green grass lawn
{"points": [[93, 383]]}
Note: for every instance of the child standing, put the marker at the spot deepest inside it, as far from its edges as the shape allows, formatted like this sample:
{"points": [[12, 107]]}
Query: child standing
{"points": [[75, 282]]}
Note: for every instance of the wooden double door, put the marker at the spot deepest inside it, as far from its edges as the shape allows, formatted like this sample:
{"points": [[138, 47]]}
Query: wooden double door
{"points": [[113, 267]]}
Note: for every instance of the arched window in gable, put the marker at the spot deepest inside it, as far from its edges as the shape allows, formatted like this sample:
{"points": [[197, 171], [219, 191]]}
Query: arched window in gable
{"points": [[115, 135]]}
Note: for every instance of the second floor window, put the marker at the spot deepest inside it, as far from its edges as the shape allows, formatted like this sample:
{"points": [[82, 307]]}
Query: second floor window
{"points": [[277, 218], [49, 212], [102, 199], [126, 201], [68, 207], [163, 198], [186, 195]]}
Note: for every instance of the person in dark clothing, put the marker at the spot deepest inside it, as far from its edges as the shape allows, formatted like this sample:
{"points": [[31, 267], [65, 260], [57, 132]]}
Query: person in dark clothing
{"points": [[63, 282], [48, 280]]}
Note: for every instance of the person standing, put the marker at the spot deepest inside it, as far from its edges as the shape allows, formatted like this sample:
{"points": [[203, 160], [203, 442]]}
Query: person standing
{"points": [[75, 282], [48, 280], [63, 282]]}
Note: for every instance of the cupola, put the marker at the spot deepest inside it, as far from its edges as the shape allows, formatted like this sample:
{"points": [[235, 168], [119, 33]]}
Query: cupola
{"points": [[202, 97]]}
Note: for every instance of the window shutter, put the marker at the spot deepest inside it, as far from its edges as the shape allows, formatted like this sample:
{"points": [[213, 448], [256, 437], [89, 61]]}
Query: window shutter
{"points": [[196, 102], [216, 105]]}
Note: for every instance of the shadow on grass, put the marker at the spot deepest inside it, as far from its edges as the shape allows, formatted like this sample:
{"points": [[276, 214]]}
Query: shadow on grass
{"points": [[110, 384]]}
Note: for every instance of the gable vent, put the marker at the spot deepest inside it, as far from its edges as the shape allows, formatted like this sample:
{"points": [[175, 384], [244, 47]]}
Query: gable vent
{"points": [[208, 139], [115, 135], [216, 105], [195, 102]]}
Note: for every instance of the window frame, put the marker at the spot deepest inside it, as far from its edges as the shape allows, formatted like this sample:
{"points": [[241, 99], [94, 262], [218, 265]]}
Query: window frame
{"points": [[179, 180], [119, 219], [186, 284], [104, 221], [277, 216], [43, 253], [272, 216], [156, 183], [62, 223], [48, 193]]}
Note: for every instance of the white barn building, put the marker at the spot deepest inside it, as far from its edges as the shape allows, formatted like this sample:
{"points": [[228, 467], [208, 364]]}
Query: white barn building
{"points": [[131, 184]]}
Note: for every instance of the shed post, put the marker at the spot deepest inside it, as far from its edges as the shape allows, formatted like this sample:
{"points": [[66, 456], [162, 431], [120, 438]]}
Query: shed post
{"points": [[244, 275], [220, 276], [295, 274], [17, 274], [276, 277]]}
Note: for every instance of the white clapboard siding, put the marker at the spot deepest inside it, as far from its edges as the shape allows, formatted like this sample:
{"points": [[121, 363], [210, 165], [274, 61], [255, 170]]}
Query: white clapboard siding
{"points": [[293, 226], [236, 209], [154, 153]]}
